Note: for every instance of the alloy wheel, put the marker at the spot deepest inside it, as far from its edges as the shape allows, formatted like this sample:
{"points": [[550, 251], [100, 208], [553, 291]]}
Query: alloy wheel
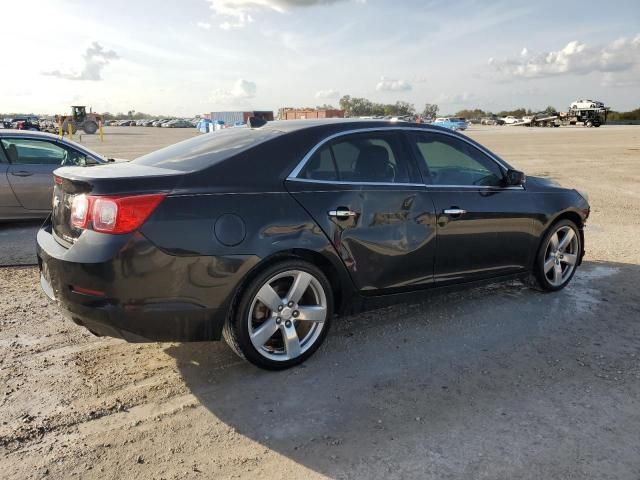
{"points": [[287, 315], [561, 255]]}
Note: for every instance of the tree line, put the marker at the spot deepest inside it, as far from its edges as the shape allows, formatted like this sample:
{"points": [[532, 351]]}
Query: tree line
{"points": [[132, 115], [623, 116], [363, 107]]}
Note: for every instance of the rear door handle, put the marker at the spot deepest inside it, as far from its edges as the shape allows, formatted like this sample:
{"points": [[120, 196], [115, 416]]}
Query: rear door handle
{"points": [[22, 173], [454, 211], [342, 213]]}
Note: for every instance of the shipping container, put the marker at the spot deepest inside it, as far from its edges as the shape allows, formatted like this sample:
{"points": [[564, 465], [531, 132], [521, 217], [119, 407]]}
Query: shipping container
{"points": [[295, 114], [233, 118], [229, 118]]}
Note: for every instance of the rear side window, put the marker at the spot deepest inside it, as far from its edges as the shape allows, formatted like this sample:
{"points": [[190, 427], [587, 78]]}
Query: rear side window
{"points": [[321, 166], [33, 152], [376, 157], [207, 149]]}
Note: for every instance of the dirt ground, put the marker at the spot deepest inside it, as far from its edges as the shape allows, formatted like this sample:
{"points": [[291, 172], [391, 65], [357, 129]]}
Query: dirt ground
{"points": [[499, 382]]}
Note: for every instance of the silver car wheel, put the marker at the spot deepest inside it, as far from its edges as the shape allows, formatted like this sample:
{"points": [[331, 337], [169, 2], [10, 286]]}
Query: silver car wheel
{"points": [[287, 315], [561, 255]]}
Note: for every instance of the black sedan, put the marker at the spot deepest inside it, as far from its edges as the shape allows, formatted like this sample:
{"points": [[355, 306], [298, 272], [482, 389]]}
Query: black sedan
{"points": [[261, 235]]}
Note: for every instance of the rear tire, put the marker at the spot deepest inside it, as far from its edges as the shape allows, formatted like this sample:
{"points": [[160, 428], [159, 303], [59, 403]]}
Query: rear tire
{"points": [[282, 317], [557, 258]]}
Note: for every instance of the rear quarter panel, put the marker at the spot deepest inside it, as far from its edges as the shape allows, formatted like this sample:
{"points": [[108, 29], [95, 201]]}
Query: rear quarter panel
{"points": [[272, 223]]}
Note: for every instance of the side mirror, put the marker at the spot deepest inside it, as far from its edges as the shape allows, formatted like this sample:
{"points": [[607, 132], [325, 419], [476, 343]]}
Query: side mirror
{"points": [[515, 178]]}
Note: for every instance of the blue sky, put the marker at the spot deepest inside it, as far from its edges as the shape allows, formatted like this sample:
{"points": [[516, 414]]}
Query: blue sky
{"points": [[195, 56]]}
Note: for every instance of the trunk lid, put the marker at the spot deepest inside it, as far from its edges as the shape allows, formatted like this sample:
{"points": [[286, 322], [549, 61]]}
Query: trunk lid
{"points": [[107, 179]]}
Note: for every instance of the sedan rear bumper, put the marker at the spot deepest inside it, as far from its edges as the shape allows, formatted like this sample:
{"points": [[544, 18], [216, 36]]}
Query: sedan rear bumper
{"points": [[153, 323], [130, 289]]}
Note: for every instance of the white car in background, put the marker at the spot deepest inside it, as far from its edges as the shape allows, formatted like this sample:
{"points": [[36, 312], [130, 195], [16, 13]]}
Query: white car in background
{"points": [[510, 120], [586, 104]]}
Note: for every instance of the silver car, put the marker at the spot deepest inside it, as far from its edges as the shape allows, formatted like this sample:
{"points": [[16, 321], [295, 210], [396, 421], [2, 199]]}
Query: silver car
{"points": [[27, 162]]}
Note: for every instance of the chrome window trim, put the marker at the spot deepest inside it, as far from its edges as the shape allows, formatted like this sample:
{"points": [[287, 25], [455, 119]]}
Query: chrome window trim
{"points": [[518, 187], [398, 184], [296, 171], [342, 182]]}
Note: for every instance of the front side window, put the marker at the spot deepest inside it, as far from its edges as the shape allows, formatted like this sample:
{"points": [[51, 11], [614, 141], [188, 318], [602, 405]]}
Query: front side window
{"points": [[373, 157], [74, 158], [446, 160], [33, 152]]}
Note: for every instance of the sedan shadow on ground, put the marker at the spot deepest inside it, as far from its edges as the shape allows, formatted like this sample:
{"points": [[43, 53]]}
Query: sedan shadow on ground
{"points": [[499, 381], [18, 242]]}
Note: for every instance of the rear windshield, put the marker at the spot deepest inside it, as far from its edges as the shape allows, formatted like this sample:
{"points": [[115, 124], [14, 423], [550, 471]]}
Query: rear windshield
{"points": [[207, 149]]}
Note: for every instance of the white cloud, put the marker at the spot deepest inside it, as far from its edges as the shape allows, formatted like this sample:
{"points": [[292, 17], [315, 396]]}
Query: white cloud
{"points": [[95, 59], [238, 13], [391, 85], [621, 79], [242, 90], [575, 58], [456, 99], [204, 25], [328, 94]]}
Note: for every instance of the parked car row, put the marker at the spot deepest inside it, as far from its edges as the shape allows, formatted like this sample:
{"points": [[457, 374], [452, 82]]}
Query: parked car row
{"points": [[452, 123], [162, 122], [21, 123], [491, 121]]}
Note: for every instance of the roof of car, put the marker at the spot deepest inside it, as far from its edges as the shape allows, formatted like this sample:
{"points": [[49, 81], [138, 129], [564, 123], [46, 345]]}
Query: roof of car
{"points": [[27, 133]]}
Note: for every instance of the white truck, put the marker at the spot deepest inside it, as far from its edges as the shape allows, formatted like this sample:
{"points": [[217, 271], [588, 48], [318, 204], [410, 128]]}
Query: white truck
{"points": [[590, 113]]}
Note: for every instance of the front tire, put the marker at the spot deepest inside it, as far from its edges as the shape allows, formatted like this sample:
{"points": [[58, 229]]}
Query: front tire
{"points": [[282, 317], [558, 256], [90, 127]]}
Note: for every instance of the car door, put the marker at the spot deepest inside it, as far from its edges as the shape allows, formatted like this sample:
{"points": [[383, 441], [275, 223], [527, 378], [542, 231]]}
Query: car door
{"points": [[364, 191], [8, 201], [30, 172], [484, 228]]}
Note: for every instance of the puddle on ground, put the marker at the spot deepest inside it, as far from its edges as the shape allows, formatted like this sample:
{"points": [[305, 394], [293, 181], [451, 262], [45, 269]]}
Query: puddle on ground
{"points": [[583, 289]]}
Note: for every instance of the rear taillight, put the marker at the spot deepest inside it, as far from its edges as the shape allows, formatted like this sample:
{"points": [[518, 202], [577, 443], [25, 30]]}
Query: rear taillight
{"points": [[122, 214], [80, 211]]}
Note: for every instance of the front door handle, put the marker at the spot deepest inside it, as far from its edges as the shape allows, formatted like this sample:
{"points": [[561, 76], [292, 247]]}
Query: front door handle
{"points": [[342, 213], [454, 212], [22, 173]]}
